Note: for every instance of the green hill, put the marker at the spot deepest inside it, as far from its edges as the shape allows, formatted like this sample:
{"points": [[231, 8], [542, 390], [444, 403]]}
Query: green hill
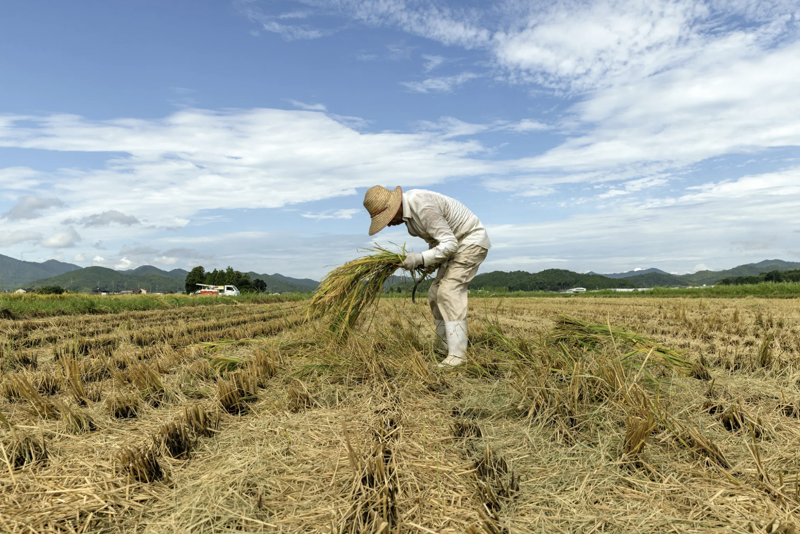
{"points": [[313, 284], [558, 280], [149, 269], [547, 280], [146, 277], [91, 278], [772, 276], [657, 279], [628, 274], [15, 273], [282, 284], [751, 269]]}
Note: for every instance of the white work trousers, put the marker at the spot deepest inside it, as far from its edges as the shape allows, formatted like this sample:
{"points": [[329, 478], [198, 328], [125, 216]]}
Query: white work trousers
{"points": [[448, 293]]}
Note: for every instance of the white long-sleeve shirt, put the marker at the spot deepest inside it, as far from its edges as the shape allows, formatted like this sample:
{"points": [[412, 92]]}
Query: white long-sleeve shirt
{"points": [[443, 222]]}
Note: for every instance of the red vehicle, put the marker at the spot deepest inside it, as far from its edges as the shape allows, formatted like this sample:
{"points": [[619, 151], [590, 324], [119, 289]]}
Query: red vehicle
{"points": [[209, 290]]}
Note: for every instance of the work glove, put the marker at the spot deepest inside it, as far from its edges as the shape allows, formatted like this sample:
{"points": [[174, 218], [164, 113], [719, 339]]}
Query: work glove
{"points": [[413, 261]]}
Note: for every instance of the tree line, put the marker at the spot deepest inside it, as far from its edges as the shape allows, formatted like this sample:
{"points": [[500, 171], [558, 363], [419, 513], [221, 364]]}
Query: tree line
{"points": [[226, 277], [772, 276], [547, 280]]}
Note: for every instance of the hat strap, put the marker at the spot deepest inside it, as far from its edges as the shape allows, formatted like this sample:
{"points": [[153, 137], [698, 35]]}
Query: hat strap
{"points": [[373, 215]]}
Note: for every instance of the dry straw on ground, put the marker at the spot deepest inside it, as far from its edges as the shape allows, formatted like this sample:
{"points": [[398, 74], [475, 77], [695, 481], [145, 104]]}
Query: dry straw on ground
{"points": [[543, 430]]}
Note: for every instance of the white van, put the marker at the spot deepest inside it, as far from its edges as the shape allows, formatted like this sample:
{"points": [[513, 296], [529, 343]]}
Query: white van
{"points": [[228, 291], [209, 290]]}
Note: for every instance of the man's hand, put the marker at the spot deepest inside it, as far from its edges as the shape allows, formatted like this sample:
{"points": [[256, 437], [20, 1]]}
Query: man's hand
{"points": [[413, 260]]}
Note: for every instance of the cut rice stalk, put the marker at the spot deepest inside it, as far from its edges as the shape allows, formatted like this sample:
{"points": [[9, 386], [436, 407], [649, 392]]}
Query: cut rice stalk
{"points": [[637, 431], [174, 440], [123, 404], [43, 407], [77, 421], [23, 449], [72, 374], [200, 421], [140, 464]]}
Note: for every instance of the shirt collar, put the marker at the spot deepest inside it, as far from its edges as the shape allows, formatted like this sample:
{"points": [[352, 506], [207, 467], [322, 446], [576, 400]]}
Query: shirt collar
{"points": [[406, 209]]}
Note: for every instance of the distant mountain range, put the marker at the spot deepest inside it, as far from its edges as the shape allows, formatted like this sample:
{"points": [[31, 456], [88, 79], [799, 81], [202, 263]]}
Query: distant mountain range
{"points": [[637, 272], [93, 278], [656, 277], [559, 279], [547, 280], [16, 273], [751, 269], [277, 283], [296, 281], [149, 269], [153, 279]]}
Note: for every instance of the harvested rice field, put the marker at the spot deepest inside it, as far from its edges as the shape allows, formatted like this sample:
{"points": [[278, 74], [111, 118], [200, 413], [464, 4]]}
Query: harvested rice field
{"points": [[573, 415]]}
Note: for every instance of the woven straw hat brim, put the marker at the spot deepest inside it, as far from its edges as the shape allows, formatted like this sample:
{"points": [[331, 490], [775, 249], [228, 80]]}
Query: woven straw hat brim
{"points": [[390, 199]]}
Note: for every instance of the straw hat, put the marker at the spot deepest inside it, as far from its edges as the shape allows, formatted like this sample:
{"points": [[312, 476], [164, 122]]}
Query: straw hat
{"points": [[382, 206]]}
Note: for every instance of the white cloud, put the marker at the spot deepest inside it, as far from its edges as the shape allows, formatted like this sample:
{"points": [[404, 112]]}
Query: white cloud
{"points": [[338, 214], [18, 236], [63, 239], [527, 125], [123, 264], [287, 252], [293, 15], [644, 183], [432, 62], [398, 51], [634, 186], [184, 97], [105, 219], [269, 23], [29, 207], [442, 84], [580, 45], [707, 108], [179, 165], [98, 261], [451, 27], [665, 83], [671, 233], [18, 178], [166, 260], [449, 127], [452, 127], [79, 257], [307, 107], [137, 251]]}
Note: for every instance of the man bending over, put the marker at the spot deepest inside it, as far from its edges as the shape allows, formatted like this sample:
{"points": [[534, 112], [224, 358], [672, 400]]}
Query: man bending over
{"points": [[457, 243]]}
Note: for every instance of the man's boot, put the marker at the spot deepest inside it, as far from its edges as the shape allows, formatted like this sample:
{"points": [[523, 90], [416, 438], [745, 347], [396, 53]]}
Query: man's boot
{"points": [[442, 334], [456, 343]]}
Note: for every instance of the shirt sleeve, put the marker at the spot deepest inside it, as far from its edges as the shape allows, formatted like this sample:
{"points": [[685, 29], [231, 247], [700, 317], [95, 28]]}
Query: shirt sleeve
{"points": [[436, 226]]}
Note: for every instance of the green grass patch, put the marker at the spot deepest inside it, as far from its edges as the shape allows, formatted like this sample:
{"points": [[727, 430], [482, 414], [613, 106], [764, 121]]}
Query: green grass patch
{"points": [[13, 306]]}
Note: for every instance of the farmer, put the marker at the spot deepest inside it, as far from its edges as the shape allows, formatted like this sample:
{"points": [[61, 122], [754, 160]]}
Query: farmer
{"points": [[457, 243]]}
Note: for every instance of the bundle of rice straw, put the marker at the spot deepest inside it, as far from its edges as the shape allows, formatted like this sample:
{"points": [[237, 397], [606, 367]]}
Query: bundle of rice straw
{"points": [[349, 290], [571, 330]]}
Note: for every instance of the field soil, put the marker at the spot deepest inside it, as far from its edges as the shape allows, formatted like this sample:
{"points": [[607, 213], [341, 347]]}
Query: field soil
{"points": [[630, 415]]}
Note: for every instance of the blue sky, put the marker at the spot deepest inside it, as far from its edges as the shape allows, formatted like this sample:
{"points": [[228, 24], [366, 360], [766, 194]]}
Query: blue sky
{"points": [[605, 135]]}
